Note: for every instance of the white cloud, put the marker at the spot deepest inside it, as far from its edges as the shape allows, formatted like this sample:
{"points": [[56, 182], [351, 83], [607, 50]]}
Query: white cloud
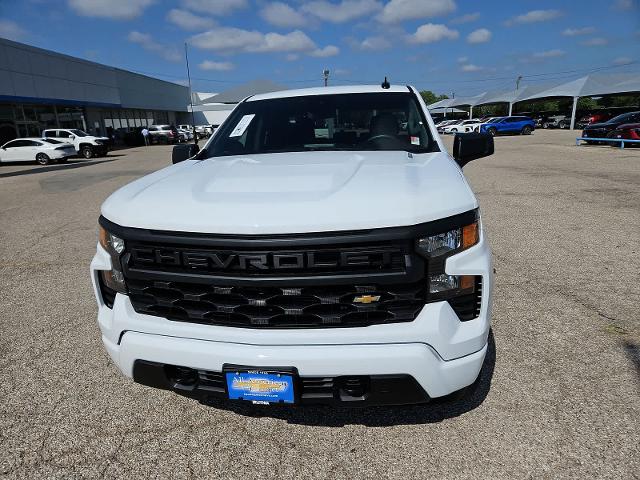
{"points": [[147, 42], [482, 35], [549, 54], [282, 15], [234, 40], [624, 5], [216, 66], [468, 18], [188, 20], [462, 59], [294, 41], [470, 67], [215, 7], [342, 11], [115, 9], [622, 60], [374, 43], [573, 32], [595, 42], [535, 16], [11, 30], [328, 51], [430, 32], [398, 10], [292, 57]]}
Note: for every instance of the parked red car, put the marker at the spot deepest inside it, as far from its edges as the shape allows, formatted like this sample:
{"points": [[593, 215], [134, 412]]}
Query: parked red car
{"points": [[629, 131], [592, 118]]}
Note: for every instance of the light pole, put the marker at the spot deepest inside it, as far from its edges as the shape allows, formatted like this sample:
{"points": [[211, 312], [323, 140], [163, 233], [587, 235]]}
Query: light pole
{"points": [[325, 74], [193, 118]]}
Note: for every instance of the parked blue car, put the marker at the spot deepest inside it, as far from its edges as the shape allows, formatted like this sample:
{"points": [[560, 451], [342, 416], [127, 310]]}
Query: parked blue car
{"points": [[515, 124]]}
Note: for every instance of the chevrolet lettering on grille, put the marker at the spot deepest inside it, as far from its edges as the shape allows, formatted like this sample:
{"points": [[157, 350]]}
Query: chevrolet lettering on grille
{"points": [[221, 261]]}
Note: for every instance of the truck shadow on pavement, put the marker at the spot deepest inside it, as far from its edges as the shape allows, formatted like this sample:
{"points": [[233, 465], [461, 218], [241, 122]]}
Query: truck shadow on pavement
{"points": [[328, 416], [55, 167]]}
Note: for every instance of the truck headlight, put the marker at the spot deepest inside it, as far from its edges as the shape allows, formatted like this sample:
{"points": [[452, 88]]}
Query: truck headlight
{"points": [[463, 292], [448, 243], [114, 245]]}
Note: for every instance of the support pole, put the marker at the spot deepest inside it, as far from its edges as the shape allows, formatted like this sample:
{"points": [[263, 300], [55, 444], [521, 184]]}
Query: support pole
{"points": [[510, 108], [573, 113], [470, 111]]}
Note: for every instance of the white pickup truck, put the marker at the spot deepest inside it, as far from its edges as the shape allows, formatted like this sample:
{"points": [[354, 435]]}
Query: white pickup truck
{"points": [[86, 145], [322, 247]]}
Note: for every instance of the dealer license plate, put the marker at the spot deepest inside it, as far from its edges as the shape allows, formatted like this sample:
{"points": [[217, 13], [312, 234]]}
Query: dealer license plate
{"points": [[261, 387]]}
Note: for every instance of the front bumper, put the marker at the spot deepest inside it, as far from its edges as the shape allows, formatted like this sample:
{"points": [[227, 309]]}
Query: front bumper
{"points": [[437, 352]]}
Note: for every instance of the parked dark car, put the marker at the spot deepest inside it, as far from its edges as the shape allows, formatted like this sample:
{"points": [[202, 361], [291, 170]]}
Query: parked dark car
{"points": [[133, 137], [630, 131], [604, 129], [590, 118]]}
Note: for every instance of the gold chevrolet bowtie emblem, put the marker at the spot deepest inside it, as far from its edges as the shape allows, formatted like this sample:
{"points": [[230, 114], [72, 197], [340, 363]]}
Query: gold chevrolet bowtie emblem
{"points": [[366, 298]]}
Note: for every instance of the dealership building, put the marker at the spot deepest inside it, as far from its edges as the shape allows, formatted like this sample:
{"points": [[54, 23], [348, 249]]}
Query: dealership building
{"points": [[41, 89]]}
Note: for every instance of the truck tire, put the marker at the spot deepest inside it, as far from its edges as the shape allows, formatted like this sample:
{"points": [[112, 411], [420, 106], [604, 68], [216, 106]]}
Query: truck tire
{"points": [[86, 152], [42, 159]]}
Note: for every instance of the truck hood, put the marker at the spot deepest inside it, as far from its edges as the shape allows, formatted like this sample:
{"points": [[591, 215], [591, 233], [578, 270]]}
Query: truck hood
{"points": [[294, 193]]}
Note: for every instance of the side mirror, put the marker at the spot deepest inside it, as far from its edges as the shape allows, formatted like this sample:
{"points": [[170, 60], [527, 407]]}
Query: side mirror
{"points": [[469, 146], [182, 152]]}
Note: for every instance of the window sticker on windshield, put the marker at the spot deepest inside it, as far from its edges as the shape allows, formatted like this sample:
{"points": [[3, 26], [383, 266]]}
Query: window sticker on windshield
{"points": [[242, 125], [415, 140]]}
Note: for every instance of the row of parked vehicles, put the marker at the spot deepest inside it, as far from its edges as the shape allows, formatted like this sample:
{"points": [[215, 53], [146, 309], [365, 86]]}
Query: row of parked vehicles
{"points": [[597, 126], [59, 144], [625, 126], [56, 145], [166, 134], [491, 125]]}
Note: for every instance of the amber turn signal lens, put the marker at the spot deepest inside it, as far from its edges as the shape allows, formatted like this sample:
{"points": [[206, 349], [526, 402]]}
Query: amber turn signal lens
{"points": [[470, 235], [103, 238], [467, 282]]}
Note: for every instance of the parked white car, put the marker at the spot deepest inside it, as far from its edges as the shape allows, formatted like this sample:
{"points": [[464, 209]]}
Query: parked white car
{"points": [[86, 145], [184, 135], [41, 150], [459, 127]]}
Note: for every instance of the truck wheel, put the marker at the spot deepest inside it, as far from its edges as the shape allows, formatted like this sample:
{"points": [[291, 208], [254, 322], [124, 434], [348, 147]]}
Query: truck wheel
{"points": [[492, 131], [86, 152], [526, 130], [42, 159]]}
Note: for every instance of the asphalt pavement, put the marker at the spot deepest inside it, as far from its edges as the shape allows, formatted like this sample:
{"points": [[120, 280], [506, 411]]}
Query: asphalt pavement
{"points": [[559, 396]]}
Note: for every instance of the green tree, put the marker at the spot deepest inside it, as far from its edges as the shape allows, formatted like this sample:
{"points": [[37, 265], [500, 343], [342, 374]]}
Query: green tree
{"points": [[429, 97]]}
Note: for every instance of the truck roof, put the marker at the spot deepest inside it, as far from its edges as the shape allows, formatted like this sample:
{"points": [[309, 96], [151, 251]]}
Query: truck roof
{"points": [[329, 91]]}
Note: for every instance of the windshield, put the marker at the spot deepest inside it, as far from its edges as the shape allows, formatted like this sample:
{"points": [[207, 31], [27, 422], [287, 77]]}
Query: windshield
{"points": [[621, 118], [362, 121], [79, 133]]}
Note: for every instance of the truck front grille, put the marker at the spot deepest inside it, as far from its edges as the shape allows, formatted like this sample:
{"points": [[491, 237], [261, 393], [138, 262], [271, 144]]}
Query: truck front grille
{"points": [[278, 307]]}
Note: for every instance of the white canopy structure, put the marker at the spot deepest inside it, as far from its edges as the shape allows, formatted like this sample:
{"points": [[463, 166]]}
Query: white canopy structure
{"points": [[587, 86]]}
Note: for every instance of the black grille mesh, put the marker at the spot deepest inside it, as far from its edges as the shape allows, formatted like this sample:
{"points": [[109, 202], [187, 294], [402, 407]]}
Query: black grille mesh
{"points": [[278, 307]]}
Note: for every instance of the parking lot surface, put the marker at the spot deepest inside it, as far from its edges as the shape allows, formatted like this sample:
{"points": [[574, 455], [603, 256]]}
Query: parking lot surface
{"points": [[559, 396]]}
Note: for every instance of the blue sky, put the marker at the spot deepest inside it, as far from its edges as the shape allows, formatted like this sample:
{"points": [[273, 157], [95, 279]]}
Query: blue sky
{"points": [[447, 46]]}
